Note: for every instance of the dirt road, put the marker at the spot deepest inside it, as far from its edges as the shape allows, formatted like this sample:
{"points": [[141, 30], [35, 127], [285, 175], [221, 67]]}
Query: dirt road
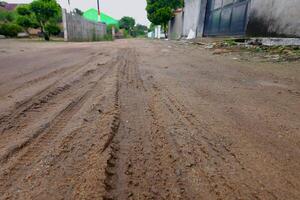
{"points": [[141, 119]]}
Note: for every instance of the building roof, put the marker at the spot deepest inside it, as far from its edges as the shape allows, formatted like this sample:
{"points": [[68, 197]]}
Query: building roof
{"points": [[9, 6], [92, 15]]}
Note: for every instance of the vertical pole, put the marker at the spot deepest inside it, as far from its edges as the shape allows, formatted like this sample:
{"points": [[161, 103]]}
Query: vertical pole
{"points": [[69, 3], [99, 16], [65, 23], [113, 31]]}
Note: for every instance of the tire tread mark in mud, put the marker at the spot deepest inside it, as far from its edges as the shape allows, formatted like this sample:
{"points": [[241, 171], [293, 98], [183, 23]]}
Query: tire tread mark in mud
{"points": [[112, 145], [111, 179], [42, 100], [131, 80], [192, 122], [49, 131], [58, 70], [49, 91]]}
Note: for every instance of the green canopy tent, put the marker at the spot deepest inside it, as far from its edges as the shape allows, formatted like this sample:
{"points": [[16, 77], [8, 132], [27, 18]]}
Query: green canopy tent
{"points": [[92, 15]]}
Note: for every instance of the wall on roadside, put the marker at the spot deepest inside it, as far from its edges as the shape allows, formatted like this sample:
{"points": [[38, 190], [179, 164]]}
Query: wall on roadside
{"points": [[76, 28], [176, 26], [194, 17], [201, 19], [266, 18], [191, 16], [274, 18]]}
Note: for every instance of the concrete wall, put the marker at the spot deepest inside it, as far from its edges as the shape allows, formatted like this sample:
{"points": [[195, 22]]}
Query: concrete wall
{"points": [[176, 26], [266, 18], [274, 18], [191, 16], [201, 20], [194, 17], [76, 28]]}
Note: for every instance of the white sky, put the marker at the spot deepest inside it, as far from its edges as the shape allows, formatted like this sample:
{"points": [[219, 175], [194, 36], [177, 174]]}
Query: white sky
{"points": [[115, 8]]}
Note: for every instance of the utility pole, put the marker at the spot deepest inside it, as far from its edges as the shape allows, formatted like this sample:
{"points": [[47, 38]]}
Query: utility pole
{"points": [[99, 14], [69, 3]]}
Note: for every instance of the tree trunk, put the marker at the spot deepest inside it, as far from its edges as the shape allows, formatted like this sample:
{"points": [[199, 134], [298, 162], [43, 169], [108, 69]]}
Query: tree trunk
{"points": [[165, 30], [45, 34]]}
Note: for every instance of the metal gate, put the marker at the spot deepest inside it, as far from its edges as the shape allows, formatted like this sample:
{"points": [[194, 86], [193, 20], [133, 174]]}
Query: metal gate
{"points": [[226, 17]]}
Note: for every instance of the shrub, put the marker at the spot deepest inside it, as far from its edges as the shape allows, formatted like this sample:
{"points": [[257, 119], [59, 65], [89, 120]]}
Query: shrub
{"points": [[107, 38], [10, 29], [109, 29], [24, 21], [52, 29], [7, 16]]}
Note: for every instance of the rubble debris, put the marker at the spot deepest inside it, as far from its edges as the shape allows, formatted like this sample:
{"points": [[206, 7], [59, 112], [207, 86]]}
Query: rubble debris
{"points": [[23, 35], [258, 48], [275, 41]]}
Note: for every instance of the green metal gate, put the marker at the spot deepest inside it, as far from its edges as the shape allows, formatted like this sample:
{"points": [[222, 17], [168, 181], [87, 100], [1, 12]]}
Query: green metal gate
{"points": [[226, 17]]}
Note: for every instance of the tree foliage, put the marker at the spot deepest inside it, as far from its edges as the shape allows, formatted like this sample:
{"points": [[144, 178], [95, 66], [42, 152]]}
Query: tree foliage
{"points": [[52, 29], [160, 12], [78, 11], [110, 27], [7, 16], [25, 17], [140, 30], [10, 29], [23, 10], [45, 12], [24, 21], [127, 23]]}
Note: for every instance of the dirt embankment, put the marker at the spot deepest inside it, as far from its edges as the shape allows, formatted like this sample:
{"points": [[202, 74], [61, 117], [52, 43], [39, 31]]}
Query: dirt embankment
{"points": [[138, 119]]}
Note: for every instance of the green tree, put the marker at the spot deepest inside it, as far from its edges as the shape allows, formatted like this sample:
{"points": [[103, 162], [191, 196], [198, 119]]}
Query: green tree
{"points": [[151, 28], [23, 10], [24, 21], [78, 11], [45, 12], [10, 29], [52, 29], [7, 16], [26, 18], [110, 27], [140, 30], [160, 12], [127, 23]]}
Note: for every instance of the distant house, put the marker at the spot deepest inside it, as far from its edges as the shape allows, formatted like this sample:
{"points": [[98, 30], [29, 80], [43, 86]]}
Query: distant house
{"points": [[8, 6], [92, 15], [12, 7], [176, 25], [271, 18], [157, 33], [2, 5]]}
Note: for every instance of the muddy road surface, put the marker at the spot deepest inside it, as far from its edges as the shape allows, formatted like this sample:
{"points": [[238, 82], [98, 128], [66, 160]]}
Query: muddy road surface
{"points": [[141, 119]]}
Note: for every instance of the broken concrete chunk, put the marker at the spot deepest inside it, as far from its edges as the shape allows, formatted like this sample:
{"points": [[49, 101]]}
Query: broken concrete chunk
{"points": [[275, 41], [23, 35]]}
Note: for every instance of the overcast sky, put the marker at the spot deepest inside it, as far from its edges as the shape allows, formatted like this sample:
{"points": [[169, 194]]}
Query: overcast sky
{"points": [[115, 8]]}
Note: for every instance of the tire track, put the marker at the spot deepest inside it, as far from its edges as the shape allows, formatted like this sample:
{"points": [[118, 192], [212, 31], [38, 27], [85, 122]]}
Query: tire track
{"points": [[108, 125], [52, 63], [215, 154], [34, 146], [59, 118], [61, 72], [139, 167], [43, 97], [67, 73]]}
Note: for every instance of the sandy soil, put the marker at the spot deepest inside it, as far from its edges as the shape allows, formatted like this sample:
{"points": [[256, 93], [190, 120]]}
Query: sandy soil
{"points": [[141, 119]]}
